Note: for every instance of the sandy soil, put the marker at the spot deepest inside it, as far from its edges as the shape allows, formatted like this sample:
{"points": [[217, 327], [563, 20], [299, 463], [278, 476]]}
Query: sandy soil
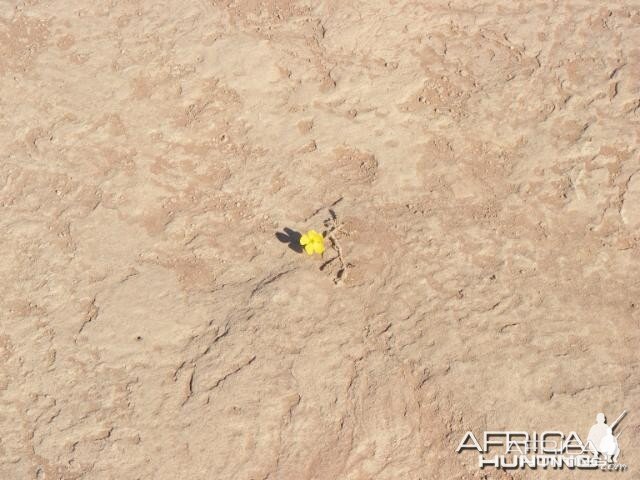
{"points": [[481, 157]]}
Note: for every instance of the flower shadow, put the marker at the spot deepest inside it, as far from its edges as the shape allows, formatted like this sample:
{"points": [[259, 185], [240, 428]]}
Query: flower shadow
{"points": [[291, 237]]}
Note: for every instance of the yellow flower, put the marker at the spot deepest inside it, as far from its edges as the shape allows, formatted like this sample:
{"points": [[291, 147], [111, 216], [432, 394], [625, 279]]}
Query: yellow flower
{"points": [[313, 242]]}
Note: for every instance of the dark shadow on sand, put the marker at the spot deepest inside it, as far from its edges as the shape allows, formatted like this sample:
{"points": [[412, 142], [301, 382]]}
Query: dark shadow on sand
{"points": [[291, 237]]}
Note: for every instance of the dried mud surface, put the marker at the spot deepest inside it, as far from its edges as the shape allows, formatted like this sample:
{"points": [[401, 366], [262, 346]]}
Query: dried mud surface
{"points": [[156, 325]]}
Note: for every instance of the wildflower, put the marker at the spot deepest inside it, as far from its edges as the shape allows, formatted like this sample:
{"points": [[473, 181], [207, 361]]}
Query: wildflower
{"points": [[313, 242]]}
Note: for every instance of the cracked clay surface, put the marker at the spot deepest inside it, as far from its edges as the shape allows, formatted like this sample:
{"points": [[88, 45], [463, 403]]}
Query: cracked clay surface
{"points": [[156, 321]]}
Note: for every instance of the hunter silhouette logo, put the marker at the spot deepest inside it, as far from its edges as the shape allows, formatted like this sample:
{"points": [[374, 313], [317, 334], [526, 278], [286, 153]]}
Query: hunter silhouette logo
{"points": [[601, 438], [549, 449]]}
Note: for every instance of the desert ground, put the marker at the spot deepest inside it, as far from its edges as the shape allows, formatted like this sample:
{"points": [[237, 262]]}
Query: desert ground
{"points": [[159, 161]]}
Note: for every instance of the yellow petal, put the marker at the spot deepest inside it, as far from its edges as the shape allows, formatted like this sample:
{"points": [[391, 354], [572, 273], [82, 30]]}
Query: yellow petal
{"points": [[304, 239], [309, 248], [318, 247]]}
